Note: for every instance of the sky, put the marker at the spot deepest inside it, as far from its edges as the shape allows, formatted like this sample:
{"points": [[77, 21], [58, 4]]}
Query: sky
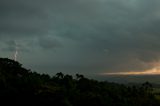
{"points": [[82, 36]]}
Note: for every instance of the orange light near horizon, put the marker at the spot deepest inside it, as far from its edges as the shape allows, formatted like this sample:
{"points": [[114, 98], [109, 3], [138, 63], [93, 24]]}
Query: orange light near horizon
{"points": [[154, 71]]}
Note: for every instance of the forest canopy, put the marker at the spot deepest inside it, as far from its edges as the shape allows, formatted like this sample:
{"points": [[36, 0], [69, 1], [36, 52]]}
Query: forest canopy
{"points": [[22, 86]]}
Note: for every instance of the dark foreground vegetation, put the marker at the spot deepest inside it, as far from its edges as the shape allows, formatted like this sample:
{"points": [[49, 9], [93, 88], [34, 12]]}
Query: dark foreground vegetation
{"points": [[19, 86]]}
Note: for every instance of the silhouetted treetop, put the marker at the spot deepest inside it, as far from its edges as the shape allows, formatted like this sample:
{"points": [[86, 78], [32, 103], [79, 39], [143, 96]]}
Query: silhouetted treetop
{"points": [[5, 62], [12, 67]]}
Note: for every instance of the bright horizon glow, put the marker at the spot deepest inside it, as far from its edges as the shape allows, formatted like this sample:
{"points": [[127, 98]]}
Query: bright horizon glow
{"points": [[154, 71]]}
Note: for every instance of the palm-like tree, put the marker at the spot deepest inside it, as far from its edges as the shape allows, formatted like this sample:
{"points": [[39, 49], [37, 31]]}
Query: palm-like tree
{"points": [[79, 76], [60, 75]]}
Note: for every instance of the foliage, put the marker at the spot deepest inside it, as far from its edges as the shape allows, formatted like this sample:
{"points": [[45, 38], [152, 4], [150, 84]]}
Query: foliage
{"points": [[21, 86]]}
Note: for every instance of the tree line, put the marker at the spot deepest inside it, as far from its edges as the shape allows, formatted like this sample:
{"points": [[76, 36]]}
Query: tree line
{"points": [[21, 86]]}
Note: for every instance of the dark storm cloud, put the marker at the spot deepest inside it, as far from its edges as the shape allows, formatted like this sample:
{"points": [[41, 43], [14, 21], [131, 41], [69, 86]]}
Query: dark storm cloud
{"points": [[88, 35], [20, 18], [49, 43], [11, 45]]}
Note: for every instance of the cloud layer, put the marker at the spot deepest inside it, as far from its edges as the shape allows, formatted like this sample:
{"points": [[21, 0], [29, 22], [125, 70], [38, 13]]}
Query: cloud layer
{"points": [[82, 36]]}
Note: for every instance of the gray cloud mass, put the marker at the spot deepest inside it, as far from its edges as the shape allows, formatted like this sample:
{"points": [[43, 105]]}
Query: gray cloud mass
{"points": [[81, 36]]}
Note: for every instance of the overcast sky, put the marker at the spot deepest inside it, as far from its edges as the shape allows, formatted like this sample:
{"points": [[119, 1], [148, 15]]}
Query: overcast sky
{"points": [[81, 36]]}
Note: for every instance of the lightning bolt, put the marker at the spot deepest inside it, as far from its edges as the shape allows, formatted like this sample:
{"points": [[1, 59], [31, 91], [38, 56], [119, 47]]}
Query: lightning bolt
{"points": [[16, 52]]}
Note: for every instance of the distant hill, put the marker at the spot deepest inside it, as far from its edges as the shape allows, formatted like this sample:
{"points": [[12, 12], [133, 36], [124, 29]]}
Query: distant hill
{"points": [[20, 86], [130, 78]]}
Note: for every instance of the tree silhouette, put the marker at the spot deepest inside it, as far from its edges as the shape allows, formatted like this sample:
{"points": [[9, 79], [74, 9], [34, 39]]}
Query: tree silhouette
{"points": [[60, 75], [78, 76], [22, 86]]}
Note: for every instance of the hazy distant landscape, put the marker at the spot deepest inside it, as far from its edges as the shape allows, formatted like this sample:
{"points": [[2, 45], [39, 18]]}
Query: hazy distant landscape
{"points": [[129, 78]]}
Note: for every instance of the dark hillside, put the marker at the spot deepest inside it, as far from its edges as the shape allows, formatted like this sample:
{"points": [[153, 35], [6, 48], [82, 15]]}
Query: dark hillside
{"points": [[20, 86]]}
